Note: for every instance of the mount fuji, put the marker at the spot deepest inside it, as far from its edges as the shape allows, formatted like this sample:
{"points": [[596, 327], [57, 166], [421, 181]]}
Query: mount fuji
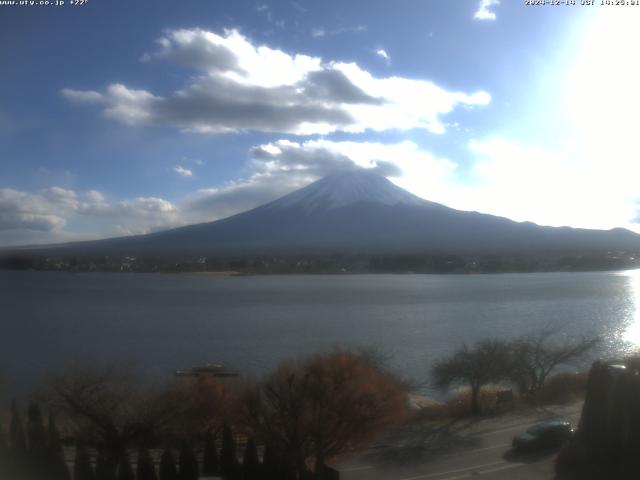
{"points": [[360, 212]]}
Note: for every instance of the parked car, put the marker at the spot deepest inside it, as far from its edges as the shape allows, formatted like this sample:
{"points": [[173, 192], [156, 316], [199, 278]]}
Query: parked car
{"points": [[550, 434]]}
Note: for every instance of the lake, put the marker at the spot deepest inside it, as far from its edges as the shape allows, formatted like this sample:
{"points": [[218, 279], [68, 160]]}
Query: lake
{"points": [[159, 323]]}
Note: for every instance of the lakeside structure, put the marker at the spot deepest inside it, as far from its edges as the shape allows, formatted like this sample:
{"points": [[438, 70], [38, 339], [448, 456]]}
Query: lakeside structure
{"points": [[208, 370]]}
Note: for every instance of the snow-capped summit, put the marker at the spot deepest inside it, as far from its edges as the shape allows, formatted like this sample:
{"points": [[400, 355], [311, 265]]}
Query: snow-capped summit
{"points": [[346, 188]]}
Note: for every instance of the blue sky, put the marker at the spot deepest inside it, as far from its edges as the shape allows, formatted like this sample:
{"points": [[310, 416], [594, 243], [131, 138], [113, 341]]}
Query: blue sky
{"points": [[126, 117]]}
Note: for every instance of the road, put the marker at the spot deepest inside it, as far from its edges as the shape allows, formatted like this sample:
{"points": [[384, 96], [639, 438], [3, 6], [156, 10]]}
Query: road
{"points": [[478, 448]]}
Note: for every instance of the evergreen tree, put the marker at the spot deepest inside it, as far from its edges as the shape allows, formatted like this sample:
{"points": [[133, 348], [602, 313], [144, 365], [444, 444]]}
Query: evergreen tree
{"points": [[210, 462], [4, 455], [228, 459], [4, 447], [188, 463], [125, 472], [17, 440], [168, 469], [145, 470], [251, 462], [82, 469], [56, 464], [274, 466], [269, 464], [37, 437], [104, 469]]}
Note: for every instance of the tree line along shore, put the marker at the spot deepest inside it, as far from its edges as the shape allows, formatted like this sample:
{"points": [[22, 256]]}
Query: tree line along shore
{"points": [[228, 265]]}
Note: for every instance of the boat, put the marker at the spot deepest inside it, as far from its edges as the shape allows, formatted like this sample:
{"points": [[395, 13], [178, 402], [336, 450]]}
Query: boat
{"points": [[210, 369]]}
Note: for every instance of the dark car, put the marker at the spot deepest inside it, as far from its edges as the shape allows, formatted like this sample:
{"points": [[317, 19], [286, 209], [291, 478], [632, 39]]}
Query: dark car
{"points": [[544, 435]]}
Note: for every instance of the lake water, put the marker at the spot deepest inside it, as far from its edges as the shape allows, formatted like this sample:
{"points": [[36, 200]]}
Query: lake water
{"points": [[160, 323]]}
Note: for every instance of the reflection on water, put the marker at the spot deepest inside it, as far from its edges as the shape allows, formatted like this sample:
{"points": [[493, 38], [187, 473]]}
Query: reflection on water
{"points": [[631, 333], [50, 321]]}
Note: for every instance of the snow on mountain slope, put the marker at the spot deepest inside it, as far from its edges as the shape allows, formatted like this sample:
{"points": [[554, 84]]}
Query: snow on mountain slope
{"points": [[347, 188]]}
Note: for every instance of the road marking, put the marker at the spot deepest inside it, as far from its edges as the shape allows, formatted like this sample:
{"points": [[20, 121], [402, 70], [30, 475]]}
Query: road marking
{"points": [[459, 470], [528, 420], [475, 473], [473, 470], [449, 455], [475, 450], [355, 469], [514, 426], [504, 467]]}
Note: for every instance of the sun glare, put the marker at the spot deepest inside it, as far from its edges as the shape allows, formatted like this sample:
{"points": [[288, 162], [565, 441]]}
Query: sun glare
{"points": [[598, 97], [602, 95], [632, 331]]}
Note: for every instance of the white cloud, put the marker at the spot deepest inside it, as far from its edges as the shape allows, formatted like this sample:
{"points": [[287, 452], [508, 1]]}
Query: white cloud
{"points": [[195, 161], [82, 95], [183, 172], [58, 214], [319, 32], [407, 103], [484, 11], [381, 52], [242, 86], [299, 7], [152, 207], [21, 211]]}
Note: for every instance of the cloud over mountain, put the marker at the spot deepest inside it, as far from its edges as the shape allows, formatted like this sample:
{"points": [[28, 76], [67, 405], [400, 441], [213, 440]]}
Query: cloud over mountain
{"points": [[273, 169], [280, 167], [242, 86]]}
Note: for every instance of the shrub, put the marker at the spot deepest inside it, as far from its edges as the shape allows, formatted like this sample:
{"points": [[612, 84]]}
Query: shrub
{"points": [[340, 396], [82, 469], [210, 461], [145, 469], [168, 470], [125, 472], [562, 388], [460, 404]]}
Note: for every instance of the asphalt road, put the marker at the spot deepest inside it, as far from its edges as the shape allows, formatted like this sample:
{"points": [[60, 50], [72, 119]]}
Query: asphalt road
{"points": [[478, 448]]}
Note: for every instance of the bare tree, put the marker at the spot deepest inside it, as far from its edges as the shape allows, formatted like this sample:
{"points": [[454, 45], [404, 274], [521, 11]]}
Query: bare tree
{"points": [[535, 356], [209, 403], [322, 406], [484, 363], [112, 409]]}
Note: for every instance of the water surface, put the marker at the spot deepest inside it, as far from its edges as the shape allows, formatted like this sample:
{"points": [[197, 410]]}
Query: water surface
{"points": [[159, 323]]}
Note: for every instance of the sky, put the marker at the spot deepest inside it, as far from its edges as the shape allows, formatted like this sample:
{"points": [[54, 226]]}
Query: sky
{"points": [[124, 117]]}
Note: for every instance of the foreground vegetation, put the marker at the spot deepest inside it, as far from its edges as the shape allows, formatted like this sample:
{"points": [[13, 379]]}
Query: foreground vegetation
{"points": [[287, 426], [525, 362]]}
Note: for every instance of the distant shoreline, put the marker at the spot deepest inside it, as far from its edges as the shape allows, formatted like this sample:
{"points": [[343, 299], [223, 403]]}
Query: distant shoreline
{"points": [[229, 273], [233, 273]]}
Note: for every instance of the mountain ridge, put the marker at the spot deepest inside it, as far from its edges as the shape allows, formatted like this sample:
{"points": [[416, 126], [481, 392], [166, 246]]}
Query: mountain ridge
{"points": [[357, 212]]}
